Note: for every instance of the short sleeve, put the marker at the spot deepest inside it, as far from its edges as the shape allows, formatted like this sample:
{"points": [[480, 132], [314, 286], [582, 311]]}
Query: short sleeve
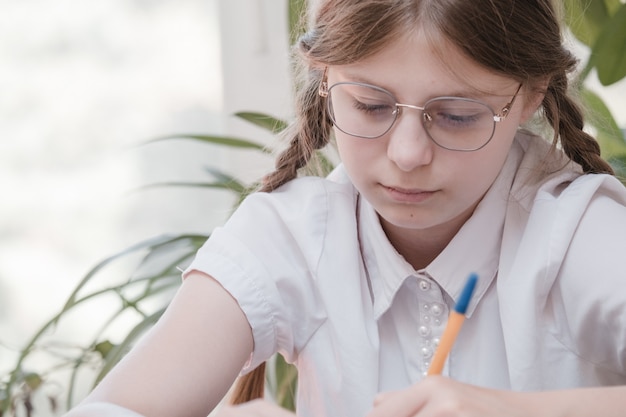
{"points": [[266, 257], [591, 299]]}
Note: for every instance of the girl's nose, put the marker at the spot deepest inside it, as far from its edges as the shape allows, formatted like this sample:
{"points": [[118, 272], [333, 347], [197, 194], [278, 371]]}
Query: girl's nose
{"points": [[409, 145]]}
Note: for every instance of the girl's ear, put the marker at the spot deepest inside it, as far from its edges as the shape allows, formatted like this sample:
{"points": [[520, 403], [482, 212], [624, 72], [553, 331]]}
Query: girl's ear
{"points": [[533, 99]]}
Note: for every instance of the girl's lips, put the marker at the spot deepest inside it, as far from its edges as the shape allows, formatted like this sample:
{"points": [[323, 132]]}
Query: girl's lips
{"points": [[404, 195]]}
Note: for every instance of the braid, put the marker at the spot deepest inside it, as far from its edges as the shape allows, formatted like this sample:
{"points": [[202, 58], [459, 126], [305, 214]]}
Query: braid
{"points": [[567, 121], [310, 132], [250, 386]]}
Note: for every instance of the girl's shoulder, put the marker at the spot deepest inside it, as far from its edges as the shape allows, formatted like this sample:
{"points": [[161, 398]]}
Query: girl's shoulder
{"points": [[545, 173], [306, 197], [306, 210], [556, 192], [562, 250], [588, 303], [565, 221]]}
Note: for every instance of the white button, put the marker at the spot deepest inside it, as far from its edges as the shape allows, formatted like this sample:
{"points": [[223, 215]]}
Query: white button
{"points": [[436, 309], [427, 352], [424, 285]]}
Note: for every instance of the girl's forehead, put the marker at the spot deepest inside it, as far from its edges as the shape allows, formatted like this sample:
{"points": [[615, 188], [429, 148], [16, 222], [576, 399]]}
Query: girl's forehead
{"points": [[417, 63]]}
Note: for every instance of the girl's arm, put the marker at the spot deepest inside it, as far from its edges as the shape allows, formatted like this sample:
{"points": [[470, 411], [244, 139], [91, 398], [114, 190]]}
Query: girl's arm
{"points": [[440, 396], [185, 364], [95, 409]]}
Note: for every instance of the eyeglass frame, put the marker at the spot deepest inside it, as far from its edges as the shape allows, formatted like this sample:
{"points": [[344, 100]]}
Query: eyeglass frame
{"points": [[324, 91]]}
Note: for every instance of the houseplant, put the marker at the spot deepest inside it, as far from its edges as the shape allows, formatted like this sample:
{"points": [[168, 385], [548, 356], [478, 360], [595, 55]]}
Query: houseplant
{"points": [[146, 291]]}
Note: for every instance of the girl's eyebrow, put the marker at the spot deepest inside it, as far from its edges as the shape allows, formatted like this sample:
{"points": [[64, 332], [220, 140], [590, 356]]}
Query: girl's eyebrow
{"points": [[358, 78]]}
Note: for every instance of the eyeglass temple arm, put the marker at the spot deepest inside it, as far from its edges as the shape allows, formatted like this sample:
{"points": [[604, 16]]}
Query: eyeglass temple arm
{"points": [[323, 88], [506, 109]]}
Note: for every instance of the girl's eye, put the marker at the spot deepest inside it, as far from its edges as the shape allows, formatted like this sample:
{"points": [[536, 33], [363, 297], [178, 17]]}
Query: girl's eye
{"points": [[457, 114], [456, 120], [373, 108]]}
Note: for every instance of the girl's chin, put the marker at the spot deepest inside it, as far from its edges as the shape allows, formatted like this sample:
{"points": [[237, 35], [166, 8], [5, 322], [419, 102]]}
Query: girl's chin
{"points": [[409, 219]]}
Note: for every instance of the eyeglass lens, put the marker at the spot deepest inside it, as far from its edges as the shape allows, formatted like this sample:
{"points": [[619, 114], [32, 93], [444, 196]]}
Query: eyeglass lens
{"points": [[369, 112]]}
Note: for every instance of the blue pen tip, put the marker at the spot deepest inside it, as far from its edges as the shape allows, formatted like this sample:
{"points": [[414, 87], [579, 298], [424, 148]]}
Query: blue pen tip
{"points": [[466, 295]]}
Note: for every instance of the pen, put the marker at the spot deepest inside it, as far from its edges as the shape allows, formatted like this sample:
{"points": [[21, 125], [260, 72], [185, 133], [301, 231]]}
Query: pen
{"points": [[455, 321]]}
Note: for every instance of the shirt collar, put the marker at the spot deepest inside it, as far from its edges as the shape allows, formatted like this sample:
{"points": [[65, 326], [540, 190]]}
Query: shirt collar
{"points": [[475, 248]]}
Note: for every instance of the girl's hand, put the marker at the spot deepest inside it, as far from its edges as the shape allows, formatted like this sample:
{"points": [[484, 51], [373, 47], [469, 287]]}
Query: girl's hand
{"points": [[255, 408], [438, 396]]}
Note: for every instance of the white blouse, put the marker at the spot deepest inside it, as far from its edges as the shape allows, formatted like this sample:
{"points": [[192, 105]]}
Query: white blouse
{"points": [[320, 283]]}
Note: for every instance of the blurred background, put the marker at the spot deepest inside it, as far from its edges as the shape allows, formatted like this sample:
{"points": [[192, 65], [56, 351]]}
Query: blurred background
{"points": [[83, 87]]}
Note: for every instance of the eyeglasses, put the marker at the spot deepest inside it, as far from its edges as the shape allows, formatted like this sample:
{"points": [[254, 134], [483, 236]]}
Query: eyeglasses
{"points": [[454, 123]]}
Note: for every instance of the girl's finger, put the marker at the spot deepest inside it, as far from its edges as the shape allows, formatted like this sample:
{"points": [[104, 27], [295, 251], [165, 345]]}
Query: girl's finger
{"points": [[405, 403]]}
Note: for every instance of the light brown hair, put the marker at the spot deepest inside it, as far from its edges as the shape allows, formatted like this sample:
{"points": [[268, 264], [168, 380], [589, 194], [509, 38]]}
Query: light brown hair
{"points": [[520, 39]]}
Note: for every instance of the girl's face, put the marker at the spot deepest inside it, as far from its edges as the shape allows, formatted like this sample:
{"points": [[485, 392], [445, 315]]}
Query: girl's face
{"points": [[415, 185]]}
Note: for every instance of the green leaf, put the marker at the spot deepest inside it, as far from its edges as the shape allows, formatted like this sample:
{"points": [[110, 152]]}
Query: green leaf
{"points": [[297, 23], [218, 185], [586, 18], [122, 348], [286, 379], [320, 165], [230, 141], [224, 182], [227, 180], [104, 348], [609, 134], [619, 165], [33, 380], [608, 54], [145, 244], [613, 6], [161, 260], [264, 121]]}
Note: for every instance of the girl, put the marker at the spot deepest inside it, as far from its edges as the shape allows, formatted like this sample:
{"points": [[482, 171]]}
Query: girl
{"points": [[352, 277]]}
